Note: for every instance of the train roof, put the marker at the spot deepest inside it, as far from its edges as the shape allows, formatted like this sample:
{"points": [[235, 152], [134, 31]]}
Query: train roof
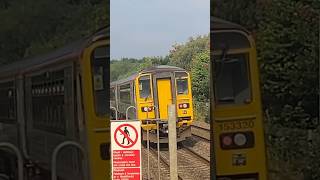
{"points": [[130, 78], [153, 69], [73, 49], [161, 68], [220, 24]]}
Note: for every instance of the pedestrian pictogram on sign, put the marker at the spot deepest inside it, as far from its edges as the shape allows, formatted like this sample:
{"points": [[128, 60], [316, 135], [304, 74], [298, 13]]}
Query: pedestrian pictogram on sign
{"points": [[126, 150], [126, 132]]}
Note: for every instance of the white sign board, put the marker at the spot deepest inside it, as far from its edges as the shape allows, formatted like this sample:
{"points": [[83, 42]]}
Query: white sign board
{"points": [[126, 150]]}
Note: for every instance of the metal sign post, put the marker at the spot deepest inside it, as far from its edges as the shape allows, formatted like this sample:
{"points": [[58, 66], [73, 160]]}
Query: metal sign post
{"points": [[126, 149], [158, 148], [172, 142]]}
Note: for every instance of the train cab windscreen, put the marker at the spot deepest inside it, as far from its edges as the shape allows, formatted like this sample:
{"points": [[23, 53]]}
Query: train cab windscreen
{"points": [[182, 83], [144, 87], [182, 86], [232, 74], [232, 79], [100, 78]]}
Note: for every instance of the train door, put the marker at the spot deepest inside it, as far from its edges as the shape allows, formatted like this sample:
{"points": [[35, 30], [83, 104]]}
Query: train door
{"points": [[164, 96], [95, 100]]}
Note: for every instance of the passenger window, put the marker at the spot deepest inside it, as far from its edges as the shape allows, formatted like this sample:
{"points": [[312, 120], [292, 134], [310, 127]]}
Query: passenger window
{"points": [[112, 94], [7, 102], [125, 96], [48, 104]]}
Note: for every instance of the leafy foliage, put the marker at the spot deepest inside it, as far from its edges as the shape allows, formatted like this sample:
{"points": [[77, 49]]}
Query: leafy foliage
{"points": [[288, 53], [200, 76], [33, 27], [181, 55], [127, 66]]}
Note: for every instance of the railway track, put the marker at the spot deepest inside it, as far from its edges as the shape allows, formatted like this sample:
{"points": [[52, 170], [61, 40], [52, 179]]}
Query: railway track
{"points": [[201, 130], [191, 165], [193, 157], [164, 161], [197, 155]]}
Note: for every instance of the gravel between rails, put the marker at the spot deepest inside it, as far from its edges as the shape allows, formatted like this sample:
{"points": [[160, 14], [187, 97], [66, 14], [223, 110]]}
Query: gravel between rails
{"points": [[193, 157], [199, 145]]}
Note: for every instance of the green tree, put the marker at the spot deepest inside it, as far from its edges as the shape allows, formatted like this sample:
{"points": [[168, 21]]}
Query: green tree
{"points": [[34, 27], [181, 55], [127, 66], [200, 76], [200, 85]]}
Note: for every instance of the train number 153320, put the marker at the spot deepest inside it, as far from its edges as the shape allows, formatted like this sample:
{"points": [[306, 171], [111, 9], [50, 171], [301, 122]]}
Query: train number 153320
{"points": [[235, 125]]}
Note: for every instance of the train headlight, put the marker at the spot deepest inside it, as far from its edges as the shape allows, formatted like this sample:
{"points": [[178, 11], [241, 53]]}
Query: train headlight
{"points": [[227, 140], [145, 109], [237, 140], [240, 139], [184, 106]]}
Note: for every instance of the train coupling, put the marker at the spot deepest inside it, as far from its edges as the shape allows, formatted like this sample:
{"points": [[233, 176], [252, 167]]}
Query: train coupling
{"points": [[163, 127]]}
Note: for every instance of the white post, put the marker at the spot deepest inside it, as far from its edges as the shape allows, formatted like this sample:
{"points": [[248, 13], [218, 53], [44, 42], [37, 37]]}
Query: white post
{"points": [[172, 142]]}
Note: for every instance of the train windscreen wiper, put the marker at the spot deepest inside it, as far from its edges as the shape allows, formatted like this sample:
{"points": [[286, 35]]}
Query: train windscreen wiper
{"points": [[221, 60]]}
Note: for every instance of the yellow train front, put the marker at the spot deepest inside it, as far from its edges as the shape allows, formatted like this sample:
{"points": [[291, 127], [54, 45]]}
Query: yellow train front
{"points": [[239, 146], [150, 92]]}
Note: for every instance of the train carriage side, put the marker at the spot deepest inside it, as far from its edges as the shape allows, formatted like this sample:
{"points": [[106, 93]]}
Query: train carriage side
{"points": [[9, 122], [40, 104], [113, 101], [49, 98], [239, 145], [122, 98]]}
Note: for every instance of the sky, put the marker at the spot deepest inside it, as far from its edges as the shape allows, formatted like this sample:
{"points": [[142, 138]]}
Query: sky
{"points": [[142, 28]]}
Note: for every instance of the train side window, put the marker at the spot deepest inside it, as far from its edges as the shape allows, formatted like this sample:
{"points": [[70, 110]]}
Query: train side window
{"points": [[7, 102], [125, 96], [100, 79], [112, 94], [145, 87], [48, 101], [232, 79]]}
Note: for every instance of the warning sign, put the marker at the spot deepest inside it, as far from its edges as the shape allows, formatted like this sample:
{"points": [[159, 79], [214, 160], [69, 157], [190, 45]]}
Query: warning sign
{"points": [[126, 150], [123, 133]]}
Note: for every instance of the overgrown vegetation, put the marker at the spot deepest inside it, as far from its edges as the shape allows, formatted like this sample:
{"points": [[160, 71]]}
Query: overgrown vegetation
{"points": [[192, 56], [33, 27], [287, 37]]}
